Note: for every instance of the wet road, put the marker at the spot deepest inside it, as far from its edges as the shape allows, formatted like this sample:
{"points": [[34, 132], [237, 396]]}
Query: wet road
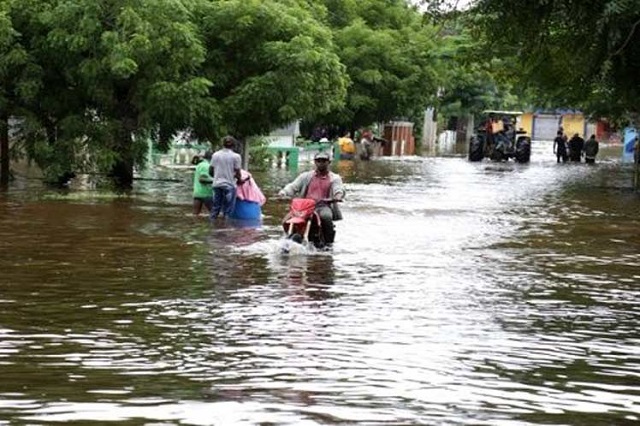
{"points": [[457, 293]]}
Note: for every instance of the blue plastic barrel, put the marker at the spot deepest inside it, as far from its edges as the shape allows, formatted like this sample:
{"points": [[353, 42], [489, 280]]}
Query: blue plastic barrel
{"points": [[246, 210]]}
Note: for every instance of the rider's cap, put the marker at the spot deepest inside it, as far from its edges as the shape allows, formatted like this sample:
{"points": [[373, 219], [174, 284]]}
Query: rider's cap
{"points": [[322, 156]]}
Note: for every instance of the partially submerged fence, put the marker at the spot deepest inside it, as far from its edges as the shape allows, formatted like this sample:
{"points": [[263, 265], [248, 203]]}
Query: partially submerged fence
{"points": [[181, 155]]}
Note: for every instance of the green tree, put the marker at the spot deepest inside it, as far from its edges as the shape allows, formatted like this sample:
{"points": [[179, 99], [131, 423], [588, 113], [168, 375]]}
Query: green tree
{"points": [[36, 92], [582, 53], [390, 57], [106, 76], [271, 62], [137, 69], [7, 41], [19, 80], [111, 74], [474, 78]]}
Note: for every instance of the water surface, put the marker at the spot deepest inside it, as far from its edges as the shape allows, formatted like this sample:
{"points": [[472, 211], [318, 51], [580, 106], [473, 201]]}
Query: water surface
{"points": [[457, 293]]}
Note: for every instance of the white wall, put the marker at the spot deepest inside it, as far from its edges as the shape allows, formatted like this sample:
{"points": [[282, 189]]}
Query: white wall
{"points": [[284, 137], [429, 130]]}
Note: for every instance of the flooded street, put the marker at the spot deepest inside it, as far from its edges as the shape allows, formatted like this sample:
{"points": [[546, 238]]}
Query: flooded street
{"points": [[457, 293]]}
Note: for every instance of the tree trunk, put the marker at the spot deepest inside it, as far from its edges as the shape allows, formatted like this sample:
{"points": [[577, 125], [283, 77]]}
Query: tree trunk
{"points": [[122, 170], [4, 150], [122, 174], [244, 144], [52, 131]]}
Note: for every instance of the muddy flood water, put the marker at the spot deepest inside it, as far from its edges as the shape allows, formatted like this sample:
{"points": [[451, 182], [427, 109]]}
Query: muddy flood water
{"points": [[457, 293]]}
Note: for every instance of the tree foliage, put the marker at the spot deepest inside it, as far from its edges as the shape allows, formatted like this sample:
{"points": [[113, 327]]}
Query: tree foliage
{"points": [[271, 62], [101, 76], [137, 64], [389, 56], [92, 81], [474, 78], [18, 85], [578, 52]]}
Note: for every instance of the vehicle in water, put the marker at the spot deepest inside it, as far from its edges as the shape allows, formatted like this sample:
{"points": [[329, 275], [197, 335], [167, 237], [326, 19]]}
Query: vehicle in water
{"points": [[302, 224], [498, 139]]}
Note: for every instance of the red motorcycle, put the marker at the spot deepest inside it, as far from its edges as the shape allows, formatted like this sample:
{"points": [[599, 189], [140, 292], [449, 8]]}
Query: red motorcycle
{"points": [[302, 224]]}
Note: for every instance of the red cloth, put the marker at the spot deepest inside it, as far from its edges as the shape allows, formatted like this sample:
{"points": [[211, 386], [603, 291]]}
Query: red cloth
{"points": [[300, 210], [319, 187]]}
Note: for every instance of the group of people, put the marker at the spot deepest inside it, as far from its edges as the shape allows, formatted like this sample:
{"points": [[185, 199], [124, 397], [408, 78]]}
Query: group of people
{"points": [[360, 143], [575, 148], [218, 178], [348, 146]]}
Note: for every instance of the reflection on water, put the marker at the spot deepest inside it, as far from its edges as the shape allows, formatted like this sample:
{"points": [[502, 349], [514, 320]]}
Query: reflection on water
{"points": [[456, 293]]}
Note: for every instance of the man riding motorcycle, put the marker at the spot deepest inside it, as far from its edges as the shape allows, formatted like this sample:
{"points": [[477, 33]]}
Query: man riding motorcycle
{"points": [[320, 185]]}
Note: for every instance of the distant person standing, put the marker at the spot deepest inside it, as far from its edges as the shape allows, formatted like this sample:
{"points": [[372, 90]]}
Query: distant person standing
{"points": [[576, 146], [565, 137], [560, 147], [225, 165], [366, 145], [202, 190], [347, 146], [591, 147]]}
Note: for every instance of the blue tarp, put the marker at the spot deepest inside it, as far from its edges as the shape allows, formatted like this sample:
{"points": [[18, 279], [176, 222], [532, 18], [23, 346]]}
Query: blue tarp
{"points": [[630, 134]]}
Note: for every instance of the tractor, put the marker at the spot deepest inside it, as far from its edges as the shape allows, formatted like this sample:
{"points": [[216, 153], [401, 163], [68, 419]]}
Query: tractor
{"points": [[497, 138]]}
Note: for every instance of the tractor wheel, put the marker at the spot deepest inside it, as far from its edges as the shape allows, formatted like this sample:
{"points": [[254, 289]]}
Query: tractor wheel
{"points": [[523, 150]]}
